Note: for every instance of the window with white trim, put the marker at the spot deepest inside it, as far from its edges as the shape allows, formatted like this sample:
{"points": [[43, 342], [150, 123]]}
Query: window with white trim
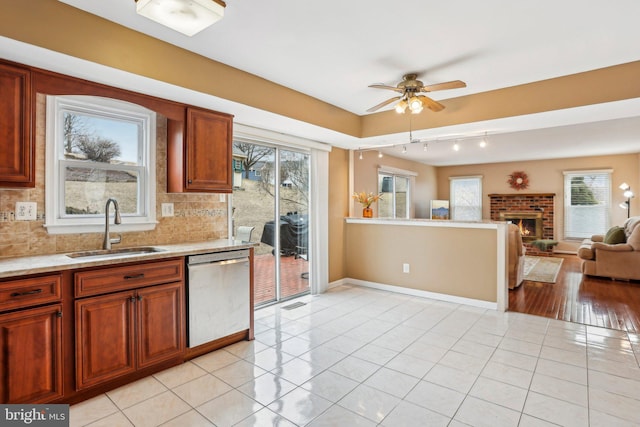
{"points": [[99, 148], [466, 198], [587, 203], [395, 186]]}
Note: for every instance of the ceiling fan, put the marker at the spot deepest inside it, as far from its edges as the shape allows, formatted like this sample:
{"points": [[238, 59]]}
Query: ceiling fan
{"points": [[410, 89]]}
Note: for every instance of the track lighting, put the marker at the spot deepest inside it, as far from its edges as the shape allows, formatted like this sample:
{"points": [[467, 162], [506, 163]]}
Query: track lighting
{"points": [[404, 149], [483, 141], [425, 146], [379, 154], [360, 155], [456, 146]]}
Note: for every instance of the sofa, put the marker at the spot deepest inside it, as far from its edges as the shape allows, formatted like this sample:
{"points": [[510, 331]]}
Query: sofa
{"points": [[604, 258], [515, 257]]}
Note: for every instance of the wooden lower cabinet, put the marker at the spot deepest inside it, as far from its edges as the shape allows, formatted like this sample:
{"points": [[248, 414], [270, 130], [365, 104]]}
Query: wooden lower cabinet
{"points": [[160, 323], [31, 355], [117, 334]]}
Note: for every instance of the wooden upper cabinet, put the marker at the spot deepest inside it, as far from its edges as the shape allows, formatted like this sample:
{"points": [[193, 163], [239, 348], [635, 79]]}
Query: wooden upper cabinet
{"points": [[204, 163], [16, 146]]}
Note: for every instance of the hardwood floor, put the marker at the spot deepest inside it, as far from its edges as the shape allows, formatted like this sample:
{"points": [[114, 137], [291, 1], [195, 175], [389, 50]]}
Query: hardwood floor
{"points": [[613, 304]]}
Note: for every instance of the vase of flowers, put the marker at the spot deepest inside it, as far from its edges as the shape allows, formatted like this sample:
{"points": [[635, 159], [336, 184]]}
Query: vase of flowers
{"points": [[366, 200]]}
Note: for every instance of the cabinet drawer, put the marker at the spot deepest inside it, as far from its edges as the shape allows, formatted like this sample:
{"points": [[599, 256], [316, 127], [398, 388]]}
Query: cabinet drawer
{"points": [[29, 292], [112, 279]]}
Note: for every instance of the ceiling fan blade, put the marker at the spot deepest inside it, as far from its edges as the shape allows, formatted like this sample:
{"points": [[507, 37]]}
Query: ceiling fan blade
{"points": [[431, 104], [455, 84], [381, 86], [382, 104]]}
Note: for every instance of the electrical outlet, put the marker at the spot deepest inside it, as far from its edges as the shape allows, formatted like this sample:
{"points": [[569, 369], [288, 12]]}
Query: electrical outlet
{"points": [[26, 211], [405, 268], [167, 209]]}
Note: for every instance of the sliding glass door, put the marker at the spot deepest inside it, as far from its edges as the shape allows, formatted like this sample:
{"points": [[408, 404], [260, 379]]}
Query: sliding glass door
{"points": [[271, 207]]}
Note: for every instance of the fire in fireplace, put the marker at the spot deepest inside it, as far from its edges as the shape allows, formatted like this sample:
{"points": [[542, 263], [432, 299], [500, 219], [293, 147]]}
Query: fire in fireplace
{"points": [[530, 223]]}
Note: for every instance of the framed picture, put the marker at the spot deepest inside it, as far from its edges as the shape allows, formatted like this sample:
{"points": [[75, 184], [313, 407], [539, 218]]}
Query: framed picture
{"points": [[439, 209]]}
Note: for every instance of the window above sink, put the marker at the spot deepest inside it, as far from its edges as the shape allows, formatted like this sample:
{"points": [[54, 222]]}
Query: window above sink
{"points": [[98, 148]]}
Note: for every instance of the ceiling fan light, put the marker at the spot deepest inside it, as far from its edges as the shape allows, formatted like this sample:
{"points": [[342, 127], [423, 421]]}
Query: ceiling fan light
{"points": [[415, 105], [401, 107], [188, 17]]}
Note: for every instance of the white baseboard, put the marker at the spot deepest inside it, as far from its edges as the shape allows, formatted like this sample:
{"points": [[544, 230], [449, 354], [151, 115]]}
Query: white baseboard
{"points": [[339, 282], [417, 293]]}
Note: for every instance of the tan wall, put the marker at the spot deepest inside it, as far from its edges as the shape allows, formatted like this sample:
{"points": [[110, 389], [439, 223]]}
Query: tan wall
{"points": [[338, 210], [366, 179], [435, 256], [198, 217], [546, 176]]}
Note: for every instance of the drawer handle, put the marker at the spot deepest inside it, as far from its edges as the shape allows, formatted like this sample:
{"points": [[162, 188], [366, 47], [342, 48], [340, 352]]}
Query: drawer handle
{"points": [[22, 294], [134, 276]]}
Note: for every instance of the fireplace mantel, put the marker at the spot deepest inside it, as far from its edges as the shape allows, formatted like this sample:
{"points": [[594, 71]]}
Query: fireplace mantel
{"points": [[524, 195]]}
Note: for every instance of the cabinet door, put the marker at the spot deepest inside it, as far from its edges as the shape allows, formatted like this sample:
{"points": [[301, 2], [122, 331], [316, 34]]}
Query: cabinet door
{"points": [[161, 330], [104, 338], [31, 355], [208, 151], [17, 153]]}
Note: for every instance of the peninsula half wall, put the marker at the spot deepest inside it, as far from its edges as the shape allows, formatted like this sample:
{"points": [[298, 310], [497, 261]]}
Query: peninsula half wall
{"points": [[463, 262]]}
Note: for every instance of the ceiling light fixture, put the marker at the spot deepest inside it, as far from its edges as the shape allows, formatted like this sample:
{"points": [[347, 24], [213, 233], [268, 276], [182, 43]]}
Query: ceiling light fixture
{"points": [[456, 146], [425, 146], [361, 155], [401, 107], [415, 105], [188, 17], [380, 154], [404, 149]]}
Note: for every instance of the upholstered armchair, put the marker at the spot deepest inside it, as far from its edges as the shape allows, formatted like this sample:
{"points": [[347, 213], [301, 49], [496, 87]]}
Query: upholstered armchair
{"points": [[614, 260], [516, 257]]}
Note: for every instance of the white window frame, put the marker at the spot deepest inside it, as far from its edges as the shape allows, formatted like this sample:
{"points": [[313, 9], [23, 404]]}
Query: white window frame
{"points": [[399, 173], [56, 219], [573, 235], [452, 181]]}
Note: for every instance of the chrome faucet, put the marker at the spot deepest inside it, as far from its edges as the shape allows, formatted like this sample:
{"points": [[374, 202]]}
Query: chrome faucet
{"points": [[108, 241]]}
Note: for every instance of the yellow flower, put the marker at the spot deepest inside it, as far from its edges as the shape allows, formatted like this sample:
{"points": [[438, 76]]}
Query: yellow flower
{"points": [[366, 199]]}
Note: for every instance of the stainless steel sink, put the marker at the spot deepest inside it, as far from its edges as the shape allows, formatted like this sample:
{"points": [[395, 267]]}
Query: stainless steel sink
{"points": [[115, 253]]}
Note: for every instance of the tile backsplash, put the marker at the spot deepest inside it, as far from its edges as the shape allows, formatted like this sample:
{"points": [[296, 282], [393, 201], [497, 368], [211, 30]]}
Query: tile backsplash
{"points": [[197, 217]]}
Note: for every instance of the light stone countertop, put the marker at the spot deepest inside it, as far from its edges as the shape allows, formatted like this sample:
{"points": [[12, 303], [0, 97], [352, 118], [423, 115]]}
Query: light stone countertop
{"points": [[21, 266]]}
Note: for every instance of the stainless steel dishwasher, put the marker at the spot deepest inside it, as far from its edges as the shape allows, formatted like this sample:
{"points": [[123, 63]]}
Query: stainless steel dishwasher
{"points": [[218, 295]]}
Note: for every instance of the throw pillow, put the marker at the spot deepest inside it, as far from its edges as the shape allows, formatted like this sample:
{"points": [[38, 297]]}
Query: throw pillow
{"points": [[615, 235]]}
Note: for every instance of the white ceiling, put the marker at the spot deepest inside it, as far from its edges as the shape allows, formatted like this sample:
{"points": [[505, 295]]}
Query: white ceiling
{"points": [[334, 49]]}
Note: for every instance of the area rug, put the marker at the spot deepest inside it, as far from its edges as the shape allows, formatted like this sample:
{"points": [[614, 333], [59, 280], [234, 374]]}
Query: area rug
{"points": [[541, 269]]}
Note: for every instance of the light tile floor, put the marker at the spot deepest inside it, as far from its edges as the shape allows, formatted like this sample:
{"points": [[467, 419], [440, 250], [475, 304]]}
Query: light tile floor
{"points": [[361, 357]]}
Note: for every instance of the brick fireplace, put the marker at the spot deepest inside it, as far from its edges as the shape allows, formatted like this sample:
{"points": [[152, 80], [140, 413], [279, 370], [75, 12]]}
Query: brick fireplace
{"points": [[535, 212]]}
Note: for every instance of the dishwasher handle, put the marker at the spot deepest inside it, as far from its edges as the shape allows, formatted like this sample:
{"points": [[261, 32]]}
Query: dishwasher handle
{"points": [[218, 257]]}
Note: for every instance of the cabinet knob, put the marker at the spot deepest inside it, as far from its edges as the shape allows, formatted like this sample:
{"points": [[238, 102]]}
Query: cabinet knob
{"points": [[132, 299], [139, 297], [190, 181], [59, 314]]}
